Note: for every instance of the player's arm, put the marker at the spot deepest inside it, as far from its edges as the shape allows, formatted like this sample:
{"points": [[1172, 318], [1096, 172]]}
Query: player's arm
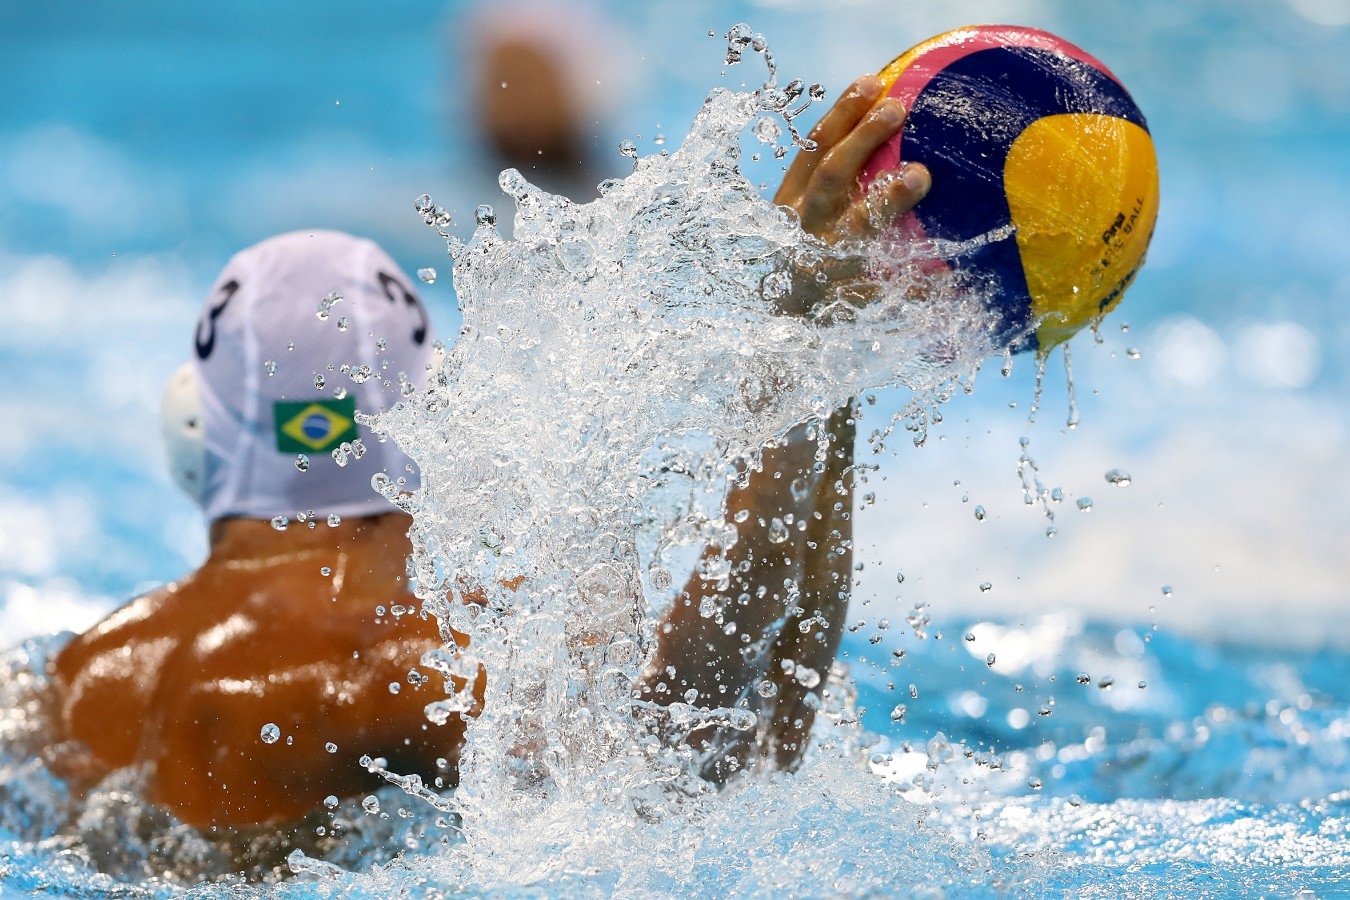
{"points": [[767, 637], [104, 682]]}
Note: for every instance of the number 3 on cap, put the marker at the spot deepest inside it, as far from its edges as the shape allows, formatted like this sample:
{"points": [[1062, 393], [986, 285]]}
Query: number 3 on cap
{"points": [[207, 344], [389, 282]]}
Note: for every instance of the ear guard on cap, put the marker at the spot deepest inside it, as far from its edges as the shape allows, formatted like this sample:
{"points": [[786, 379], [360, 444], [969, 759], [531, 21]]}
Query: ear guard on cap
{"points": [[180, 421]]}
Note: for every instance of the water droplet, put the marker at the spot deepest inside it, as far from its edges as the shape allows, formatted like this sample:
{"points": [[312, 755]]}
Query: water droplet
{"points": [[628, 148], [1083, 678], [741, 719], [280, 522], [766, 689], [270, 367], [360, 374], [778, 532], [990, 660], [659, 577], [970, 636], [270, 733], [423, 203], [330, 747], [776, 285], [914, 692], [1085, 504], [484, 215], [394, 687], [325, 571], [1034, 783], [371, 804], [986, 587], [806, 676], [1044, 711], [331, 801], [767, 130], [320, 381], [979, 513], [301, 462], [1167, 590], [326, 305], [427, 275], [1118, 477], [1142, 685], [898, 714], [1105, 682], [740, 516], [342, 323], [1133, 352], [334, 520], [342, 453]]}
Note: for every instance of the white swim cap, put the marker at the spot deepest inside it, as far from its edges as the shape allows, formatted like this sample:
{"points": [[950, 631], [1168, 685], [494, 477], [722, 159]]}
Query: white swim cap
{"points": [[299, 333], [180, 422]]}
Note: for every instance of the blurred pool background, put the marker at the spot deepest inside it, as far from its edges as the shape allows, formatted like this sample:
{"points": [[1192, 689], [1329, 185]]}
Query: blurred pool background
{"points": [[141, 144]]}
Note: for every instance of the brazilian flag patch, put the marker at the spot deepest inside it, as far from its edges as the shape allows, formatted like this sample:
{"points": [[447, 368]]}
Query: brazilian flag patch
{"points": [[314, 426]]}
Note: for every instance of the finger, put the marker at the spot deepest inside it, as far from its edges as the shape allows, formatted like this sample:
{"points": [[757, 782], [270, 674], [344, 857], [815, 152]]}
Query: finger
{"points": [[844, 162], [893, 194], [832, 184], [833, 127], [847, 112]]}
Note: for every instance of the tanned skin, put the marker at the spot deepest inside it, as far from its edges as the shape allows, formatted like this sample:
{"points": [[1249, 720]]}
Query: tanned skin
{"points": [[186, 677]]}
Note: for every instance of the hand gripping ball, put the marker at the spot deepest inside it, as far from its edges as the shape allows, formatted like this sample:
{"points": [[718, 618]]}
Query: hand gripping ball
{"points": [[1044, 174]]}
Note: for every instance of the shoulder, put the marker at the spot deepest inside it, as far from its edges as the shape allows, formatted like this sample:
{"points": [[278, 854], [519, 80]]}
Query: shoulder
{"points": [[150, 617]]}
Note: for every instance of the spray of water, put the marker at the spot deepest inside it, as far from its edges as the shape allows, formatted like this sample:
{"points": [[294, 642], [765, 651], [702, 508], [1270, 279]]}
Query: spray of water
{"points": [[619, 362]]}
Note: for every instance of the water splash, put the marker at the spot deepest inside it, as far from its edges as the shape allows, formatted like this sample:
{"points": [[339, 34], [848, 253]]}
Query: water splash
{"points": [[619, 363]]}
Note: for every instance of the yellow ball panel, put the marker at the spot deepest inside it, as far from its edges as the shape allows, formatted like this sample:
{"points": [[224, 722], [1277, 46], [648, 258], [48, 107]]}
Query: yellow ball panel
{"points": [[1083, 193]]}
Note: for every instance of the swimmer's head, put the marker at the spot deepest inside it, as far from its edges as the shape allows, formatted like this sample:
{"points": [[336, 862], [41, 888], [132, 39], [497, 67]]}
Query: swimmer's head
{"points": [[542, 76], [299, 334]]}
